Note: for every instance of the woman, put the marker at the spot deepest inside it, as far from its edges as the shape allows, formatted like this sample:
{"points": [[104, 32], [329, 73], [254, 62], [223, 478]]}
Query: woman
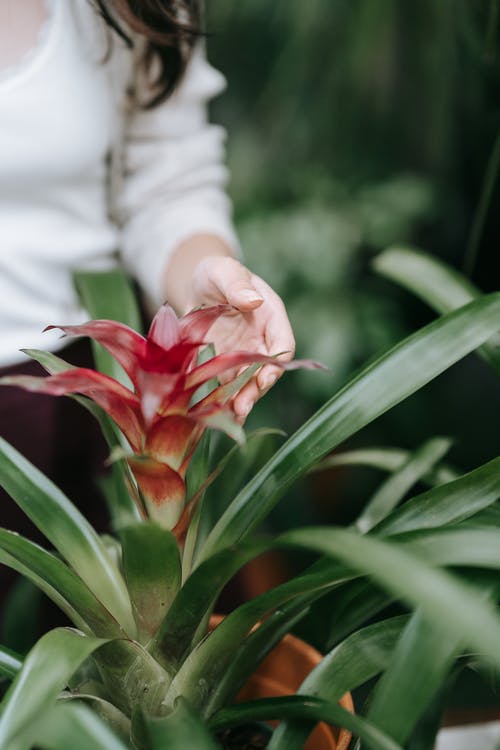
{"points": [[89, 168], [105, 152]]}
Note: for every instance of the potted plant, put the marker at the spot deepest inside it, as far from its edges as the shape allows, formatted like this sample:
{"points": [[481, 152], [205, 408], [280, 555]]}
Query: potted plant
{"points": [[143, 667]]}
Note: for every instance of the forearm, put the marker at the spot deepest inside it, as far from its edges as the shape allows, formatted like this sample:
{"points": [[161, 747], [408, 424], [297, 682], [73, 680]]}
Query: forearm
{"points": [[182, 263]]}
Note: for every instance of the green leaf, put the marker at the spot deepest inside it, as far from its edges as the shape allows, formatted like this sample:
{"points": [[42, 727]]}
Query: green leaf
{"points": [[131, 676], [72, 725], [441, 287], [424, 735], [91, 692], [179, 730], [467, 547], [382, 384], [299, 707], [10, 662], [387, 459], [202, 677], [444, 600], [351, 605], [218, 660], [49, 361], [43, 566], [46, 588], [254, 649], [198, 471], [231, 458], [195, 600], [420, 663], [393, 490], [70, 533], [152, 569], [245, 462], [109, 295], [449, 503], [45, 672], [356, 660]]}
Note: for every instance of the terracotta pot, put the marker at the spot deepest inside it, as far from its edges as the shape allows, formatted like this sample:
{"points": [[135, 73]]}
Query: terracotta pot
{"points": [[281, 673]]}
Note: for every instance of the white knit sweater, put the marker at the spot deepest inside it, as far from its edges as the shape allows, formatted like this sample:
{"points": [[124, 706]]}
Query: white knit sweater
{"points": [[84, 178]]}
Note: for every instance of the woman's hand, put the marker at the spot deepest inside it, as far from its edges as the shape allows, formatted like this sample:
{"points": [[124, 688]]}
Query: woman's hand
{"points": [[203, 271], [259, 322]]}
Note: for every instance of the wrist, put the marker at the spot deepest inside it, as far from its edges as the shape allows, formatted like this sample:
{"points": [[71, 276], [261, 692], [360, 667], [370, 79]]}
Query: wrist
{"points": [[188, 263]]}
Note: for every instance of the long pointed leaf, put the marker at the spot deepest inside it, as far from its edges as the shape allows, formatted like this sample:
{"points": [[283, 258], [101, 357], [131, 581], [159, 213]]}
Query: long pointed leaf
{"points": [[358, 659], [201, 677], [43, 565], [467, 547], [383, 384], [300, 707], [152, 570], [10, 662], [393, 490], [60, 521], [421, 661], [396, 567], [179, 730], [195, 600], [43, 585], [442, 287], [77, 727], [449, 503], [443, 599], [45, 672], [354, 604], [385, 458]]}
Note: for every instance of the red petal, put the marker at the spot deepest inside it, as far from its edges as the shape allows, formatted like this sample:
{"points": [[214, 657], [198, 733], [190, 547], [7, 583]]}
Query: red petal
{"points": [[174, 360], [223, 362], [196, 324], [165, 330], [154, 388], [123, 343], [163, 490], [116, 400], [170, 439]]}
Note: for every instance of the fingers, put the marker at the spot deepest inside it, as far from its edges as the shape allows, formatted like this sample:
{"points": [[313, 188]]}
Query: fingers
{"points": [[279, 338], [263, 327], [245, 400], [234, 283]]}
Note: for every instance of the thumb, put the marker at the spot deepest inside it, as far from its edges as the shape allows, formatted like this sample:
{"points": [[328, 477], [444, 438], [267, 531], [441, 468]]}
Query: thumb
{"points": [[234, 281]]}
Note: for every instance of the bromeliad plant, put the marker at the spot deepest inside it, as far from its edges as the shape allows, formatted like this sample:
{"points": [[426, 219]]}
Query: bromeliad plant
{"points": [[141, 655]]}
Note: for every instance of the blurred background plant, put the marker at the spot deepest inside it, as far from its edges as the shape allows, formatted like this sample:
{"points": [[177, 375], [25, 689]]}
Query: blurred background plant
{"points": [[353, 126]]}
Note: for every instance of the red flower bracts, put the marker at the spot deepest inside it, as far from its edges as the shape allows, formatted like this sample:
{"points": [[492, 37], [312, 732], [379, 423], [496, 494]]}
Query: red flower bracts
{"points": [[160, 416]]}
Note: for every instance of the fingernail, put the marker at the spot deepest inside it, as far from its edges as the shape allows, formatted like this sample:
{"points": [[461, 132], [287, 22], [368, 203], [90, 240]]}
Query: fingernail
{"points": [[251, 296]]}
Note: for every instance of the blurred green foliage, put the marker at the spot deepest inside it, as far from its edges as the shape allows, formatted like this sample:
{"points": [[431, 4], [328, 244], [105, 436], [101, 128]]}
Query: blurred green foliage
{"points": [[353, 125]]}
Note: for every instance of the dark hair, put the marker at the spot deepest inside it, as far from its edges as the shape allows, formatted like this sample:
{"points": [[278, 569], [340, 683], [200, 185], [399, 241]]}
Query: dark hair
{"points": [[169, 29]]}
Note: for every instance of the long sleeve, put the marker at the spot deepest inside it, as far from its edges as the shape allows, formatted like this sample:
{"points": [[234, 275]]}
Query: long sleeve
{"points": [[173, 179]]}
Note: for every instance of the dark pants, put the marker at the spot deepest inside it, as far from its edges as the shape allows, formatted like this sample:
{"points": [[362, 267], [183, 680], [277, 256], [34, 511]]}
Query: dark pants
{"points": [[62, 439]]}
